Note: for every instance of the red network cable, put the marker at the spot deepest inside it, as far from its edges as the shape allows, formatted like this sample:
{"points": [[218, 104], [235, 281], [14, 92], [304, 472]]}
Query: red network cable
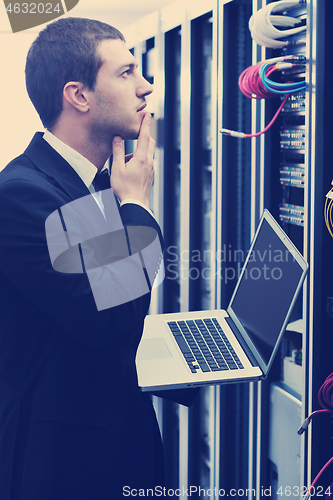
{"points": [[325, 394], [325, 398], [251, 84], [245, 136], [311, 490]]}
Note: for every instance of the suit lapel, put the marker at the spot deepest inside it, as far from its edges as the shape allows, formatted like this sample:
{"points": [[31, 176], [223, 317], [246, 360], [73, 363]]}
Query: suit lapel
{"points": [[53, 164]]}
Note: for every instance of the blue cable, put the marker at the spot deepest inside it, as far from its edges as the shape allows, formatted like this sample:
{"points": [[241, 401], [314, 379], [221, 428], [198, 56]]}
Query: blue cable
{"points": [[274, 87]]}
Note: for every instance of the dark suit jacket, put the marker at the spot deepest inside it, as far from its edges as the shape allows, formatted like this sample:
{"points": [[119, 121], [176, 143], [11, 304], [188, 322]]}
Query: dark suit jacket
{"points": [[73, 423]]}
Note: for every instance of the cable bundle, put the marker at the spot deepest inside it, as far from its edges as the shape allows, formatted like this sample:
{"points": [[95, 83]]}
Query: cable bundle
{"points": [[325, 398], [250, 82], [325, 394], [262, 24], [254, 82], [328, 211]]}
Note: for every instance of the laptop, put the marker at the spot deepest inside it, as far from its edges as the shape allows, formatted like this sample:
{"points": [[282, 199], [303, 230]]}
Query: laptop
{"points": [[197, 348]]}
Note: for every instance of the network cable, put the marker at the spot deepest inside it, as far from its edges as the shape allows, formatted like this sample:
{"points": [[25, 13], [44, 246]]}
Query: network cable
{"points": [[328, 211], [254, 82], [325, 398], [311, 490], [264, 25]]}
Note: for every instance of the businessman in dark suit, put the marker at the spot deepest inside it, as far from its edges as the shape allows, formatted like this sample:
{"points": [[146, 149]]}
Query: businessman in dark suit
{"points": [[74, 424]]}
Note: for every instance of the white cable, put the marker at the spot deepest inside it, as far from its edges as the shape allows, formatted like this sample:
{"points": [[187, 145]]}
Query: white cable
{"points": [[265, 33], [261, 22], [272, 7]]}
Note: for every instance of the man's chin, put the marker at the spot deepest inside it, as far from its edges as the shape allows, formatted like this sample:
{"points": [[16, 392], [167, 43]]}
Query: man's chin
{"points": [[130, 135]]}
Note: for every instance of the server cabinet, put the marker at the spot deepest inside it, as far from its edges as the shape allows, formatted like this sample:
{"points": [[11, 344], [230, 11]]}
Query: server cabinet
{"points": [[209, 193], [288, 173]]}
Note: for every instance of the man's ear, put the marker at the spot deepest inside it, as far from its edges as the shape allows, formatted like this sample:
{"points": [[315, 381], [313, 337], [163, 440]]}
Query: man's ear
{"points": [[76, 95]]}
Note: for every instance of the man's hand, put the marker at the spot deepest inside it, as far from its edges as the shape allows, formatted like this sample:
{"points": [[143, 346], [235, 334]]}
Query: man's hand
{"points": [[132, 177]]}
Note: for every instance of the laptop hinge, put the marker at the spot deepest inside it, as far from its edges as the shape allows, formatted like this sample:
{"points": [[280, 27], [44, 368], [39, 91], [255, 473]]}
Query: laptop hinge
{"points": [[242, 342]]}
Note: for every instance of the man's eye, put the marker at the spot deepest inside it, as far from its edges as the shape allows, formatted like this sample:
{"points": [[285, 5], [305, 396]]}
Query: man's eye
{"points": [[126, 73]]}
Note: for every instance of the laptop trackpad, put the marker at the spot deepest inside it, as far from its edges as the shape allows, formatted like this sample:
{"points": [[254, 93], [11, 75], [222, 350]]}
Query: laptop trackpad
{"points": [[153, 349]]}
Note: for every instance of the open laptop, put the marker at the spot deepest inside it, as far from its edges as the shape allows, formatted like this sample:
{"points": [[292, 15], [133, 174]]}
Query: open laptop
{"points": [[186, 349]]}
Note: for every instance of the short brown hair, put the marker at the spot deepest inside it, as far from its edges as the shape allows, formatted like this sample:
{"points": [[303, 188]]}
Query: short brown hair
{"points": [[66, 50]]}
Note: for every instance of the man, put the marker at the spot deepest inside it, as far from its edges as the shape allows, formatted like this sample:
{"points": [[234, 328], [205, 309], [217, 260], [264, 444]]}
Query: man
{"points": [[74, 424]]}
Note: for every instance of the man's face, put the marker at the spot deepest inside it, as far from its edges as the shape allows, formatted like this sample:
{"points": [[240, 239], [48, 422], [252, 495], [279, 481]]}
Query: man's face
{"points": [[118, 99]]}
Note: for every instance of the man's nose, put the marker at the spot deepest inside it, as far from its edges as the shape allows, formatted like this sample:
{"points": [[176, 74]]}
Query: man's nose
{"points": [[144, 87]]}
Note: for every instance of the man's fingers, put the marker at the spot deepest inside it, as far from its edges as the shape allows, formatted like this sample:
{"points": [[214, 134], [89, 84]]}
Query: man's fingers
{"points": [[151, 150], [133, 177], [118, 150], [144, 136]]}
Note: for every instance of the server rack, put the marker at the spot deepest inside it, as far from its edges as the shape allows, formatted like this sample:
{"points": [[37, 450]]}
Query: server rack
{"points": [[289, 173], [209, 193]]}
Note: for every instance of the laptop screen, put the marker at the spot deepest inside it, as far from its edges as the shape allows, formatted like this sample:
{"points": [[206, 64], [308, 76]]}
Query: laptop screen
{"points": [[266, 291]]}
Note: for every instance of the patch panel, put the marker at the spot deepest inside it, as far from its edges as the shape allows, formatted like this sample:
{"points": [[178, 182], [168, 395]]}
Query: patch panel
{"points": [[292, 170], [291, 219], [293, 214], [297, 71], [292, 176], [288, 208], [295, 103], [292, 138], [292, 134]]}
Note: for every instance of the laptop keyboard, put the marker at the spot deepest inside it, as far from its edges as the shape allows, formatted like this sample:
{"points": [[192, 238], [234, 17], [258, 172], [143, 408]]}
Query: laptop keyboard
{"points": [[204, 345]]}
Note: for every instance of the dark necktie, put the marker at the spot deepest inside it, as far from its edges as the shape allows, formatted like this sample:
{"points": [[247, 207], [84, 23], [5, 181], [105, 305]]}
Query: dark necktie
{"points": [[102, 180]]}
